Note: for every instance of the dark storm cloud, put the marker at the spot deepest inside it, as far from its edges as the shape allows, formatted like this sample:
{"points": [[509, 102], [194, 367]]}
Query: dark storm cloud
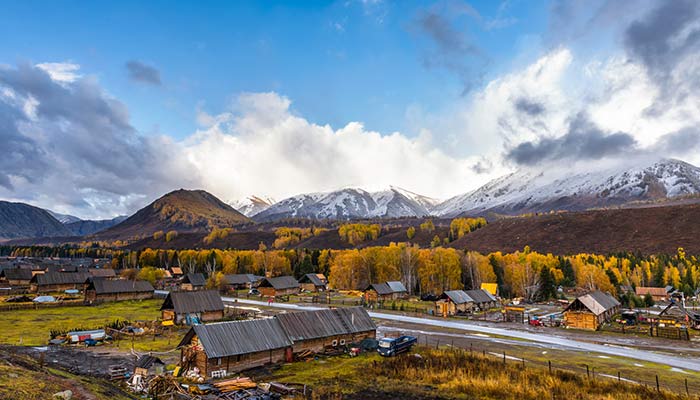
{"points": [[140, 72], [583, 141], [71, 141], [682, 142], [530, 107]]}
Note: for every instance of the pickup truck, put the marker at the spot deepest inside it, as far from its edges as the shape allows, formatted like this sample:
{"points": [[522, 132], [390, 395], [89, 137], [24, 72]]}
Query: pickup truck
{"points": [[389, 347]]}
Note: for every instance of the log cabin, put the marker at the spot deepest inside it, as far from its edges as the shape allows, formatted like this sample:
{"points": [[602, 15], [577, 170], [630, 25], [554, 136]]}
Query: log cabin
{"points": [[590, 310], [391, 290], [453, 302], [58, 281], [100, 289], [314, 283], [279, 286], [195, 281], [483, 299], [16, 276], [190, 307]]}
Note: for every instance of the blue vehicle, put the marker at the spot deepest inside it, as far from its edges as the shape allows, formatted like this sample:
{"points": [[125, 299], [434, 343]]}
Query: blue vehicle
{"points": [[389, 347]]}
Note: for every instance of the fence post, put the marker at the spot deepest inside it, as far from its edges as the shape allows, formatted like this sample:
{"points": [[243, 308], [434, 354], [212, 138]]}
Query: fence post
{"points": [[618, 376], [504, 357], [588, 373], [657, 384], [550, 366], [437, 344], [686, 387]]}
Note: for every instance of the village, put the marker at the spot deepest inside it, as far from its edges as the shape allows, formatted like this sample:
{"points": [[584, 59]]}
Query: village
{"points": [[176, 337]]}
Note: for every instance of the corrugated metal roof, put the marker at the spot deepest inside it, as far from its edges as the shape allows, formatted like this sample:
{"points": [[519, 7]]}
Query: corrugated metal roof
{"points": [[654, 291], [388, 287], [23, 274], [109, 286], [305, 325], [240, 279], [146, 361], [60, 278], [480, 296], [102, 272], [396, 286], [315, 279], [224, 339], [193, 302], [280, 282], [196, 279], [457, 296], [596, 302]]}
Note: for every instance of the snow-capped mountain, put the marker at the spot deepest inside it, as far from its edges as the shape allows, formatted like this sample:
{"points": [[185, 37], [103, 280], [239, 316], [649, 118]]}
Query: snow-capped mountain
{"points": [[64, 218], [538, 190], [252, 205], [350, 203]]}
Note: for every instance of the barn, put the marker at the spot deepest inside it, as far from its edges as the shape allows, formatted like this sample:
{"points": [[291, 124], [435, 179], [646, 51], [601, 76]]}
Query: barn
{"points": [[194, 281], [390, 290], [58, 281], [590, 310], [223, 348], [453, 302], [319, 329], [279, 286], [314, 283], [188, 307], [101, 289]]}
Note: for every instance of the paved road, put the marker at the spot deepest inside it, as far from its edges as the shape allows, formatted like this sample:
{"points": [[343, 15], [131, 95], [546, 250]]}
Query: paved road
{"points": [[545, 340]]}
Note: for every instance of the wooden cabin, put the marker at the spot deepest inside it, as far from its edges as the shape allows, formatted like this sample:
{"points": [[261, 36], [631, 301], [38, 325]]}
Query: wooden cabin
{"points": [[483, 299], [656, 293], [190, 307], [279, 286], [16, 276], [224, 348], [100, 289], [314, 283], [107, 273], [328, 328], [195, 281], [58, 281], [590, 310], [241, 281], [453, 302], [391, 290]]}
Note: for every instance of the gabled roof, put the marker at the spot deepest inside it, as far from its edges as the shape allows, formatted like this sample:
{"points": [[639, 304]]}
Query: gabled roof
{"points": [[195, 279], [654, 291], [102, 272], [304, 325], [397, 287], [240, 279], [388, 287], [193, 302], [315, 279], [480, 296], [232, 338], [146, 361], [15, 274], [110, 286], [457, 296], [280, 282], [60, 278], [176, 270], [596, 302]]}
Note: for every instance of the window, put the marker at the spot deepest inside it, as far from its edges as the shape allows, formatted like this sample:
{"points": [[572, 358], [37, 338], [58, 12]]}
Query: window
{"points": [[342, 342], [334, 343], [218, 361]]}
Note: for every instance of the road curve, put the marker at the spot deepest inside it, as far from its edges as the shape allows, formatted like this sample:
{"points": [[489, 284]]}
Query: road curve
{"points": [[545, 339]]}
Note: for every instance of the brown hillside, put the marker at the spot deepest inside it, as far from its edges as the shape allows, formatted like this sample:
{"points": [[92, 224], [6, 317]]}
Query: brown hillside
{"points": [[651, 230], [182, 211]]}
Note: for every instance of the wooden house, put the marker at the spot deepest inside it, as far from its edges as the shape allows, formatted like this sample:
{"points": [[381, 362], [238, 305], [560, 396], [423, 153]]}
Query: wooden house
{"points": [[190, 307], [107, 273], [100, 289], [195, 281], [223, 348], [453, 302], [16, 276], [483, 299], [314, 283], [590, 310], [241, 281], [656, 293], [58, 281], [391, 290], [279, 286]]}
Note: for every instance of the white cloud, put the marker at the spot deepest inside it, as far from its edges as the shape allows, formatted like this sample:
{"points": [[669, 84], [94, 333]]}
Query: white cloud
{"points": [[61, 72]]}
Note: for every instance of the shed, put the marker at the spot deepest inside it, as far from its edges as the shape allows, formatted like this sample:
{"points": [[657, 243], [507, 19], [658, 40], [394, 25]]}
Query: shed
{"points": [[101, 289], [188, 307], [656, 293], [453, 302], [483, 299], [314, 282], [58, 281], [223, 348], [148, 365], [193, 281], [279, 286], [590, 310], [318, 329], [390, 290]]}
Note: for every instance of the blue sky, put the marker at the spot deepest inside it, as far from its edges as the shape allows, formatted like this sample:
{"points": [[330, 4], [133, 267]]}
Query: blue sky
{"points": [[105, 106], [338, 61]]}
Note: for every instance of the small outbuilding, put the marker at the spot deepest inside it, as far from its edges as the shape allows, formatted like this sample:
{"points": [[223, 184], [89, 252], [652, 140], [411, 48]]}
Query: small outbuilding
{"points": [[391, 290], [192, 307], [314, 283], [148, 365], [193, 281], [100, 289], [453, 302], [241, 281], [279, 286], [483, 299], [656, 293], [590, 310]]}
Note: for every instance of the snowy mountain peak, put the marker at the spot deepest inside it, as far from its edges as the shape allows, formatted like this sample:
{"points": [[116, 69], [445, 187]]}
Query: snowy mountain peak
{"points": [[64, 218], [252, 205], [544, 189]]}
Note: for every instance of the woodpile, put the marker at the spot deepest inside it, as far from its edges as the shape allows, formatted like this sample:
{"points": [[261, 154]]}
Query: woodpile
{"points": [[232, 385]]}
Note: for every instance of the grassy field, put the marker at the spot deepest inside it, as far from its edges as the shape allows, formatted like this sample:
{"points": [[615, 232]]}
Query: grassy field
{"points": [[449, 374], [32, 327]]}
